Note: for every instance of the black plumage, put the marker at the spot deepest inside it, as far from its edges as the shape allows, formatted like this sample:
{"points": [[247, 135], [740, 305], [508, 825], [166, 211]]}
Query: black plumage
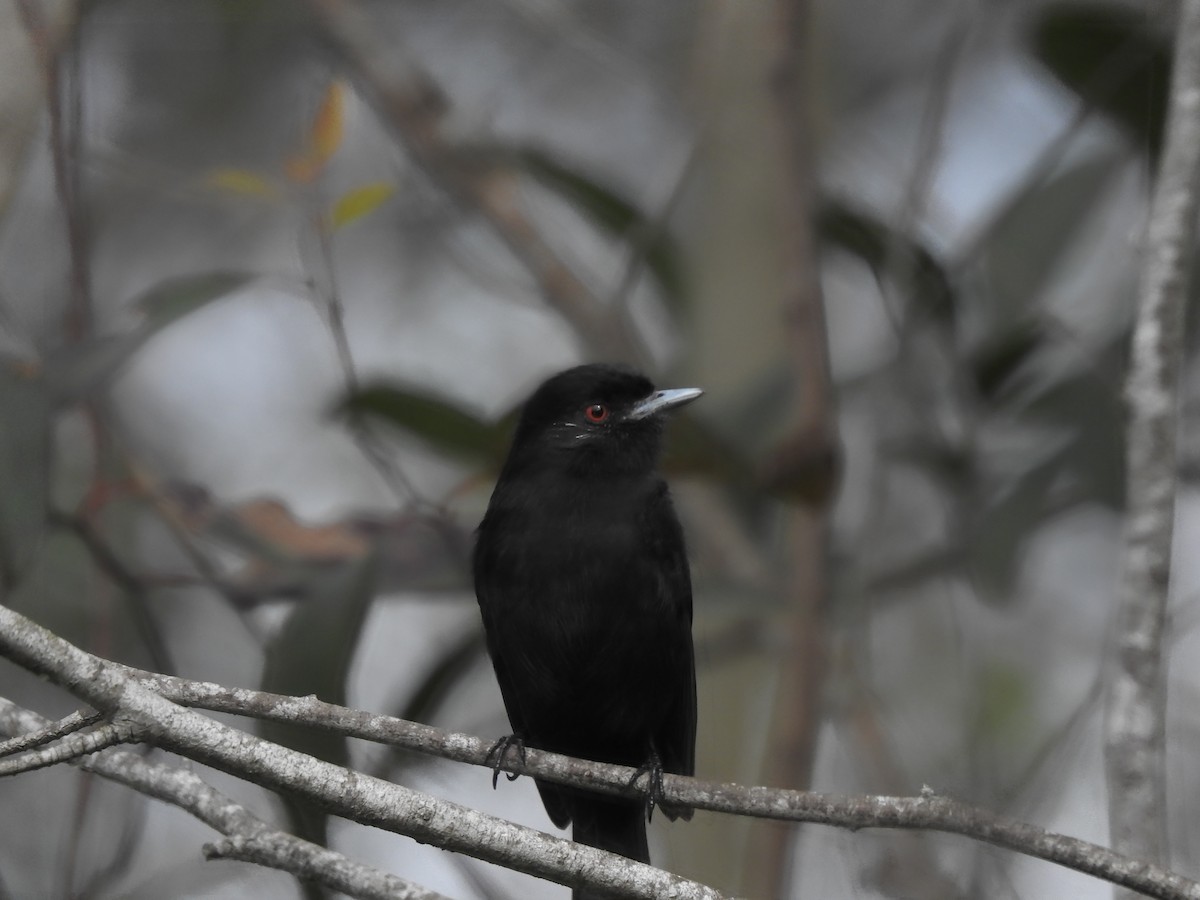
{"points": [[582, 579]]}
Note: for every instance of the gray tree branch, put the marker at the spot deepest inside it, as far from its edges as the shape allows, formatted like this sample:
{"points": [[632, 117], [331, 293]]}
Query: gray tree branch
{"points": [[53, 731], [1136, 704], [928, 811], [352, 795], [190, 793], [67, 749], [130, 695]]}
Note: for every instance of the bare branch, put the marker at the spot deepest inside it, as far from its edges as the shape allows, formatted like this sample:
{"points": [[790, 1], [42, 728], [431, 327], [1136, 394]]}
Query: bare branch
{"points": [[1136, 706], [135, 589], [76, 721], [352, 795], [925, 812], [190, 793], [316, 863], [134, 701], [326, 286], [68, 749]]}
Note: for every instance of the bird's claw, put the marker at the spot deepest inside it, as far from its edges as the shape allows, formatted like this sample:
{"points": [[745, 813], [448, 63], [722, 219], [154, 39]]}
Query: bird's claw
{"points": [[652, 769], [499, 751]]}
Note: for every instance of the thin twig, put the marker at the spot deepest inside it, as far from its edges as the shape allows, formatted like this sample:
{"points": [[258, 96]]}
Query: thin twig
{"points": [[166, 513], [393, 476], [643, 238], [76, 721], [928, 156], [134, 588], [68, 749], [59, 61]]}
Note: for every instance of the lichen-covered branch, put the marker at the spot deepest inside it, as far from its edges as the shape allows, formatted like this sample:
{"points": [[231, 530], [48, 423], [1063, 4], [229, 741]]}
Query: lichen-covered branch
{"points": [[350, 794], [1136, 705], [192, 794], [53, 731], [67, 749]]}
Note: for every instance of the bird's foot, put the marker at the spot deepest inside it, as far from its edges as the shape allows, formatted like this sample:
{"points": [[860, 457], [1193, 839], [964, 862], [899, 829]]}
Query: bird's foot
{"points": [[499, 752], [652, 770]]}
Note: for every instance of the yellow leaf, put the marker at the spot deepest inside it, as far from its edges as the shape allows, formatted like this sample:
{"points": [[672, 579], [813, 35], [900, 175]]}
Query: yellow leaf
{"points": [[242, 181], [358, 202]]}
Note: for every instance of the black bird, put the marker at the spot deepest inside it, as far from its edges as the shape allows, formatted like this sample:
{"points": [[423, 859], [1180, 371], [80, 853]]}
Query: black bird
{"points": [[582, 580]]}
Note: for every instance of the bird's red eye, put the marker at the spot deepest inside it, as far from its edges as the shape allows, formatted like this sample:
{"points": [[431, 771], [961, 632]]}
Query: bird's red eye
{"points": [[597, 412]]}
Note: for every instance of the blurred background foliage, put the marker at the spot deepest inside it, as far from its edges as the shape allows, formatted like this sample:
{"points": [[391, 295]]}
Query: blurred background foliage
{"points": [[272, 285]]}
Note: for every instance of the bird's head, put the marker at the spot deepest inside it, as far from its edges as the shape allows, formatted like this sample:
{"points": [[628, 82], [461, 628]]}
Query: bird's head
{"points": [[597, 418]]}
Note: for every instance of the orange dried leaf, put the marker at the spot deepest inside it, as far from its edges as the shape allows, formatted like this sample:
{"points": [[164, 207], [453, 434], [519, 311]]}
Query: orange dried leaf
{"points": [[301, 169], [328, 125], [359, 202], [323, 139], [271, 522]]}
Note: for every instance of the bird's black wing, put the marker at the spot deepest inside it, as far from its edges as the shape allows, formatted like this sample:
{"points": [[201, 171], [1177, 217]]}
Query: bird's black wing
{"points": [[492, 603], [676, 741], [675, 738]]}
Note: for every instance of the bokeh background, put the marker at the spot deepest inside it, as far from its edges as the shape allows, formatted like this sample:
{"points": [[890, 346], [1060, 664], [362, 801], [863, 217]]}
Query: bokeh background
{"points": [[275, 275]]}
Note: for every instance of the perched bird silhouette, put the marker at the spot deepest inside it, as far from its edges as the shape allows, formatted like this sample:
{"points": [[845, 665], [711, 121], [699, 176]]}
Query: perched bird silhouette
{"points": [[582, 580]]}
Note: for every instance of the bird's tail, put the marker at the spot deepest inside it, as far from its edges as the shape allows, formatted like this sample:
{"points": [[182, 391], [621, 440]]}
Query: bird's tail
{"points": [[614, 825]]}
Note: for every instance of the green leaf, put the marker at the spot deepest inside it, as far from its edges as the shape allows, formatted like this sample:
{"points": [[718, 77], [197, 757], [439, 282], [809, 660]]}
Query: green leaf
{"points": [[26, 409], [997, 361], [359, 202], [173, 298], [1005, 703], [614, 214], [312, 654], [886, 251], [1113, 57], [77, 371], [1027, 243], [1000, 530], [1088, 402], [84, 368], [435, 421], [1081, 462]]}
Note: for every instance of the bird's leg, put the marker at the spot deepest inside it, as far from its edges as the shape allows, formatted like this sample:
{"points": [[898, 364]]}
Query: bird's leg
{"points": [[652, 768], [499, 751]]}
